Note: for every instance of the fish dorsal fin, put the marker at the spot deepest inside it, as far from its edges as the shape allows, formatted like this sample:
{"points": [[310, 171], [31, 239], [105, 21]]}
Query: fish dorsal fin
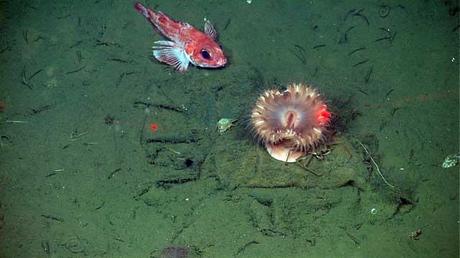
{"points": [[209, 29]]}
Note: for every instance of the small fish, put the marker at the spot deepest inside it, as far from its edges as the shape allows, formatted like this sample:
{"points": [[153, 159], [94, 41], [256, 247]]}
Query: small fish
{"points": [[186, 44]]}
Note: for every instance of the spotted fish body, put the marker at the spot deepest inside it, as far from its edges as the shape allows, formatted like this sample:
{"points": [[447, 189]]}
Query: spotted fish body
{"points": [[186, 44]]}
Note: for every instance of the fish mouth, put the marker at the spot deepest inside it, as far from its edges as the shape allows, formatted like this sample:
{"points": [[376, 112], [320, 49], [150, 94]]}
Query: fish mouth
{"points": [[221, 62], [217, 64]]}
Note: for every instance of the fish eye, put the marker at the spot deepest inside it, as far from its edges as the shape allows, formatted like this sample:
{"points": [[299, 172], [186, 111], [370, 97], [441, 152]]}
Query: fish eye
{"points": [[205, 54]]}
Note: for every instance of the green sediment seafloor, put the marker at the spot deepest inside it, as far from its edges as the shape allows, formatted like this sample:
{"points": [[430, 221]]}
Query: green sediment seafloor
{"points": [[83, 174]]}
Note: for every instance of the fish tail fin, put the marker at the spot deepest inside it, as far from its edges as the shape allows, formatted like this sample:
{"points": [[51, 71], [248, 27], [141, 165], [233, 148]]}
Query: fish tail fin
{"points": [[143, 10]]}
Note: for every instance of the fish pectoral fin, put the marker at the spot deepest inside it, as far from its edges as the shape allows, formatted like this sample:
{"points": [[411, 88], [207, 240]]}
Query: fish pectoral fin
{"points": [[171, 53], [209, 29]]}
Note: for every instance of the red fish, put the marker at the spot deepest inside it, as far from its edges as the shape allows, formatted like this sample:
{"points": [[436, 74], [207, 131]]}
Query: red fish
{"points": [[186, 44]]}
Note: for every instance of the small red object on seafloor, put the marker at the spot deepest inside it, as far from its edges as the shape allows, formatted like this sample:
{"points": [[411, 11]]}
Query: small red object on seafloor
{"points": [[153, 127]]}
